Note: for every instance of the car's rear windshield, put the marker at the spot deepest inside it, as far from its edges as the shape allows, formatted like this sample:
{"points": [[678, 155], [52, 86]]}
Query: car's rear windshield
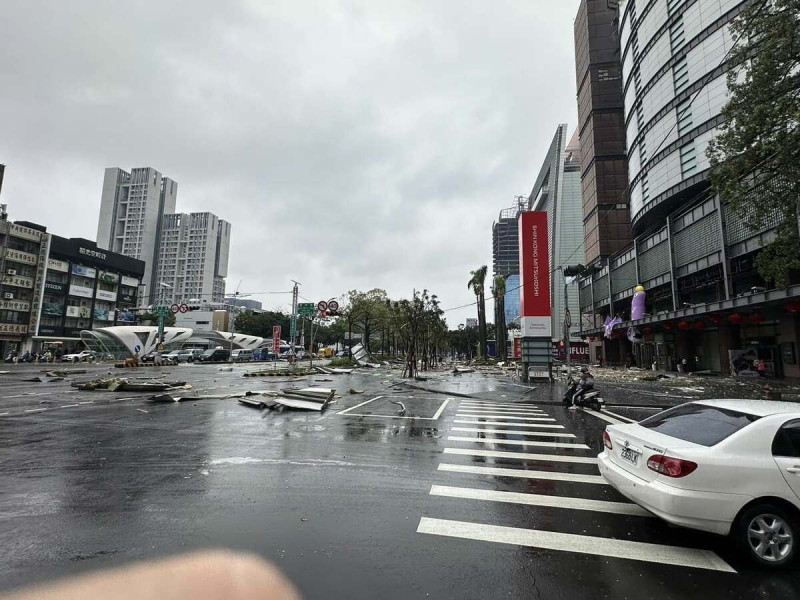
{"points": [[699, 423]]}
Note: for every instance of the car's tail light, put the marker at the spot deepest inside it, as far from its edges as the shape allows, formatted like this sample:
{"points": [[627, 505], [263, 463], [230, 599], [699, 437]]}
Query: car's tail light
{"points": [[607, 440], [671, 467]]}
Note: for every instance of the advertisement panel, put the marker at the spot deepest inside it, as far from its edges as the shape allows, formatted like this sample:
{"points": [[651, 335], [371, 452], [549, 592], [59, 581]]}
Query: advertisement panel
{"points": [[517, 348], [21, 257], [58, 265], [276, 339], [84, 271], [534, 263], [578, 351], [51, 287], [47, 330], [109, 277], [127, 298], [15, 305], [13, 328], [105, 295], [80, 291], [18, 281], [126, 317], [51, 309], [102, 315], [131, 281], [79, 312]]}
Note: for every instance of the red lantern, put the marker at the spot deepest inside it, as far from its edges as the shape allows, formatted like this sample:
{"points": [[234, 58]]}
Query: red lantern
{"points": [[756, 318], [647, 330], [668, 326], [684, 325], [700, 326], [715, 319], [592, 339], [735, 318], [792, 306]]}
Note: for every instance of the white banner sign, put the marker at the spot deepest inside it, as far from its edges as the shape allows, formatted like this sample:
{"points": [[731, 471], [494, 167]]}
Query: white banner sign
{"points": [[78, 290], [104, 295], [58, 265]]}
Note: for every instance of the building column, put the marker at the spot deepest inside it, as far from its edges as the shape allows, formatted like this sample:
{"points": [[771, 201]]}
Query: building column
{"points": [[728, 340], [790, 333]]}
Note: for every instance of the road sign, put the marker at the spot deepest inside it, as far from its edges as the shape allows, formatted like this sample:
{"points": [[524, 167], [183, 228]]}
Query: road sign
{"points": [[137, 348], [333, 306], [322, 306], [276, 339], [161, 311], [305, 309], [184, 308], [174, 309]]}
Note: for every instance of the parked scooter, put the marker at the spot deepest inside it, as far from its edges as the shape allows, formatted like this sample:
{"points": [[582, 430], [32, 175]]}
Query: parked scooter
{"points": [[590, 399]]}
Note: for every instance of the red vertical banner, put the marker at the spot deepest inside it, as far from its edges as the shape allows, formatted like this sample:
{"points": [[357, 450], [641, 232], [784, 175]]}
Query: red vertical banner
{"points": [[276, 339], [517, 347], [534, 268]]}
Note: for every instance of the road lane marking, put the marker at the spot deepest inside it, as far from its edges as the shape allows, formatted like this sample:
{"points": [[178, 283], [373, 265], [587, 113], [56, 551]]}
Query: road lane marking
{"points": [[533, 433], [605, 411], [618, 508], [3, 414], [599, 415], [521, 455], [523, 473], [506, 424], [439, 412], [512, 417], [347, 410], [476, 440], [30, 410], [67, 406], [87, 402], [580, 544]]}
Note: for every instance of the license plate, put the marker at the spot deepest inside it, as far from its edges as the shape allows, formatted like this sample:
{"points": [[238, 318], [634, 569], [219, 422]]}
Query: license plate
{"points": [[630, 455]]}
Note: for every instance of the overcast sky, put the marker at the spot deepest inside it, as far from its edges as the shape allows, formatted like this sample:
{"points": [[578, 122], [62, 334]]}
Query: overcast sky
{"points": [[350, 144]]}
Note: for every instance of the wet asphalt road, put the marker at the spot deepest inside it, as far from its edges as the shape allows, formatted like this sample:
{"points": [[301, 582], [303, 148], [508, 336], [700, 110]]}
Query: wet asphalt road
{"points": [[336, 499]]}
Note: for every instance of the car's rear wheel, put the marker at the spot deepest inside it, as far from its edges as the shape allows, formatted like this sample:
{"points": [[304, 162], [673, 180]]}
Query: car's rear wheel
{"points": [[768, 534]]}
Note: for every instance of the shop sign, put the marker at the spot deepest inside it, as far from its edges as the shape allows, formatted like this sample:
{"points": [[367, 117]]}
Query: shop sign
{"points": [[50, 309], [76, 333], [84, 271], [43, 330], [129, 298], [102, 315], [92, 253], [105, 295], [58, 265], [79, 312], [577, 351], [79, 290], [18, 281], [51, 287], [126, 317], [15, 305], [21, 257], [109, 277], [131, 281], [13, 328], [534, 295], [26, 233]]}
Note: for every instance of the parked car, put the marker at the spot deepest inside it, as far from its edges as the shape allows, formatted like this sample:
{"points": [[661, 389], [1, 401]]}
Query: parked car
{"points": [[729, 467], [182, 356], [81, 356], [173, 356], [343, 354], [166, 359], [215, 355], [242, 355]]}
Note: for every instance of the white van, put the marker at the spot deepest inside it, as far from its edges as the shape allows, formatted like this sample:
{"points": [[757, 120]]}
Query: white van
{"points": [[242, 355]]}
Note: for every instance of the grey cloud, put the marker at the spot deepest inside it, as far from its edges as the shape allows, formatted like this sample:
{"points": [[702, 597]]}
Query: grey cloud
{"points": [[351, 144]]}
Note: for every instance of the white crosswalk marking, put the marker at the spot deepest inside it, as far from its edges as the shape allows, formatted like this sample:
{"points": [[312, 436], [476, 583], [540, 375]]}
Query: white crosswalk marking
{"points": [[523, 473], [505, 405], [456, 438], [582, 544], [506, 424], [501, 406], [522, 455], [506, 411], [496, 416], [618, 508], [532, 433]]}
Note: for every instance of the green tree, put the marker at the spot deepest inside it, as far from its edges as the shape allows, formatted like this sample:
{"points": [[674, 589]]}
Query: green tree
{"points": [[755, 159], [477, 284], [148, 318], [501, 332]]}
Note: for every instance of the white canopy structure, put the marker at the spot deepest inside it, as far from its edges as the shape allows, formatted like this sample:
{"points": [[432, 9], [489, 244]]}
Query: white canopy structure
{"points": [[127, 340]]}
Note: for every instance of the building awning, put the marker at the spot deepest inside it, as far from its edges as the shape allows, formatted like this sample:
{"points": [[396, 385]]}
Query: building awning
{"points": [[768, 298]]}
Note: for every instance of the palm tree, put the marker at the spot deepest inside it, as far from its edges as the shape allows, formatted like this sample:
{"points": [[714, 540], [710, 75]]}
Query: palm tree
{"points": [[477, 283], [501, 334]]}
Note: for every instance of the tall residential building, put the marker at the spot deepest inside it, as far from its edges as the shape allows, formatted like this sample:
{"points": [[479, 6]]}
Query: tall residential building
{"points": [[601, 127], [131, 211], [557, 191], [192, 258], [706, 303]]}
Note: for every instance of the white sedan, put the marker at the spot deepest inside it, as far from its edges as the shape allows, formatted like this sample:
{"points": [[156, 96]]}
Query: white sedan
{"points": [[730, 467], [77, 357]]}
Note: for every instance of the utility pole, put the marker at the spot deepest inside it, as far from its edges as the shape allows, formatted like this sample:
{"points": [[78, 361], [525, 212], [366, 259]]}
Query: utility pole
{"points": [[567, 324], [293, 322], [233, 322]]}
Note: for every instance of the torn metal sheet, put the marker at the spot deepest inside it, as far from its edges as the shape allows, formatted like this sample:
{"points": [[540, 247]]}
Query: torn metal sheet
{"points": [[300, 404]]}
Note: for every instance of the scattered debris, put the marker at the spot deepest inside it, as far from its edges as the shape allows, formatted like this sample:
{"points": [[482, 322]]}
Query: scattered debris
{"points": [[460, 370], [226, 369], [142, 410], [119, 384], [352, 391], [402, 410], [62, 372], [34, 380]]}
